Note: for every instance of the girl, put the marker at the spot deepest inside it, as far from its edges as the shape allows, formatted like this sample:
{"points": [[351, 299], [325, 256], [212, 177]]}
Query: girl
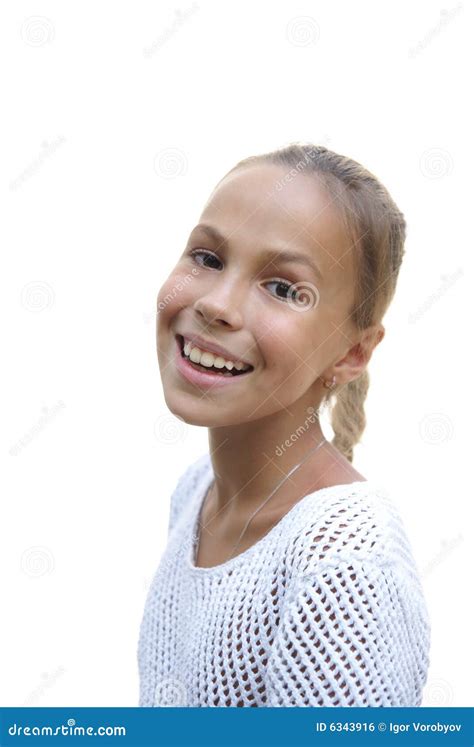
{"points": [[288, 578]]}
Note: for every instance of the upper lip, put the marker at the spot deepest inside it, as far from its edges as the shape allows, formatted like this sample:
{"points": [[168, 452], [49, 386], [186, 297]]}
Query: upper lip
{"points": [[213, 347]]}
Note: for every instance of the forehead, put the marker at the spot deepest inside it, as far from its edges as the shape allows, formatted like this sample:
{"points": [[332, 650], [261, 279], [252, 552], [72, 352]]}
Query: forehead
{"points": [[264, 205]]}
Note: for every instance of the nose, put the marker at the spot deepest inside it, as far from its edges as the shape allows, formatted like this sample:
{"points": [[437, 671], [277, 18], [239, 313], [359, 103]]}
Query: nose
{"points": [[221, 303]]}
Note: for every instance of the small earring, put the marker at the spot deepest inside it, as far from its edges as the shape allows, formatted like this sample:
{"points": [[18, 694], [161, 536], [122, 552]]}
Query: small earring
{"points": [[330, 385]]}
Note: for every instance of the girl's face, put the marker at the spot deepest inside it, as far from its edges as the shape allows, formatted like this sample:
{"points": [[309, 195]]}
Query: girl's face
{"points": [[287, 317]]}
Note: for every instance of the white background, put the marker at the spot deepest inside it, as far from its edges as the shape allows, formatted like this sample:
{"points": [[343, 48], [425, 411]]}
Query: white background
{"points": [[117, 121]]}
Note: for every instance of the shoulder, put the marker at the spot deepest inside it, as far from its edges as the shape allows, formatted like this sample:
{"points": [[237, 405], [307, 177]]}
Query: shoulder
{"points": [[187, 485], [358, 522], [353, 605]]}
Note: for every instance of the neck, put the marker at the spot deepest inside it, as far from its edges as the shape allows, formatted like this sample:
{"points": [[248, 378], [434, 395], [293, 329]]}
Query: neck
{"points": [[249, 460]]}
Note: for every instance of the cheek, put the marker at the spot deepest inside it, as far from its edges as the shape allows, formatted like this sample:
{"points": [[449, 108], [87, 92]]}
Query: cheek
{"points": [[173, 295], [284, 350], [296, 350]]}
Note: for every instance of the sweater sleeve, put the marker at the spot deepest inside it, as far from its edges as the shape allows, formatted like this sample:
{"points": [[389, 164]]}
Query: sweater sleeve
{"points": [[355, 633]]}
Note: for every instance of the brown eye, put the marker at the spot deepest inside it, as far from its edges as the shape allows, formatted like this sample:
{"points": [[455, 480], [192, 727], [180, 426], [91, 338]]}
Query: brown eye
{"points": [[206, 255], [282, 284]]}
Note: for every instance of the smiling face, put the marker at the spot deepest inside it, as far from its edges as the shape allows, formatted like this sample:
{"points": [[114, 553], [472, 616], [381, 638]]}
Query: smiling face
{"points": [[233, 287]]}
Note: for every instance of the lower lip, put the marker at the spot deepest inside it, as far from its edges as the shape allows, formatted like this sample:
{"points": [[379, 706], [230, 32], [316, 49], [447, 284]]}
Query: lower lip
{"points": [[199, 378]]}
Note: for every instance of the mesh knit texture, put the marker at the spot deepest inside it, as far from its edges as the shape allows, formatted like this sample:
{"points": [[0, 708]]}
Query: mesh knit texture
{"points": [[327, 609]]}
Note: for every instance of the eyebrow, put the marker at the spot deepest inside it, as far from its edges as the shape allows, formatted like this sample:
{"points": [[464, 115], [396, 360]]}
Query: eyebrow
{"points": [[282, 255]]}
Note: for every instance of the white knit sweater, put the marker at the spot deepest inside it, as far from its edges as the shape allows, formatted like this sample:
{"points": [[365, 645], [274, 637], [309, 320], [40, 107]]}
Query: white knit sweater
{"points": [[327, 609]]}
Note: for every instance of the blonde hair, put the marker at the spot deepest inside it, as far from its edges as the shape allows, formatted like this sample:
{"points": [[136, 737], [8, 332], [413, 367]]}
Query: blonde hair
{"points": [[378, 229]]}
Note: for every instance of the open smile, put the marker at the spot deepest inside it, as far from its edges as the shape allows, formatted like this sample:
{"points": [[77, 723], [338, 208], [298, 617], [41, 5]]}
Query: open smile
{"points": [[205, 378]]}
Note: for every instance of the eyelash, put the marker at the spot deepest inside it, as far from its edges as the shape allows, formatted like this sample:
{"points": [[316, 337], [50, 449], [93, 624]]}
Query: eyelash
{"points": [[195, 252]]}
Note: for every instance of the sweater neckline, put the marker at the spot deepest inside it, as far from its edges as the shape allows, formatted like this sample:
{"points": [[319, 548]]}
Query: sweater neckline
{"points": [[201, 492]]}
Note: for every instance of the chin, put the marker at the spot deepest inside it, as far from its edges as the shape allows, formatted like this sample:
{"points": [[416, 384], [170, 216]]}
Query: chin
{"points": [[185, 411], [202, 413]]}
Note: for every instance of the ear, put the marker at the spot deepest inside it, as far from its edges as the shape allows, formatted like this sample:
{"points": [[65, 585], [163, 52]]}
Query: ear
{"points": [[358, 356]]}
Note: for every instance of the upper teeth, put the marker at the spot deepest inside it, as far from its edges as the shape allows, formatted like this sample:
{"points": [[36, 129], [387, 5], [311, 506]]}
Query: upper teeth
{"points": [[208, 359]]}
